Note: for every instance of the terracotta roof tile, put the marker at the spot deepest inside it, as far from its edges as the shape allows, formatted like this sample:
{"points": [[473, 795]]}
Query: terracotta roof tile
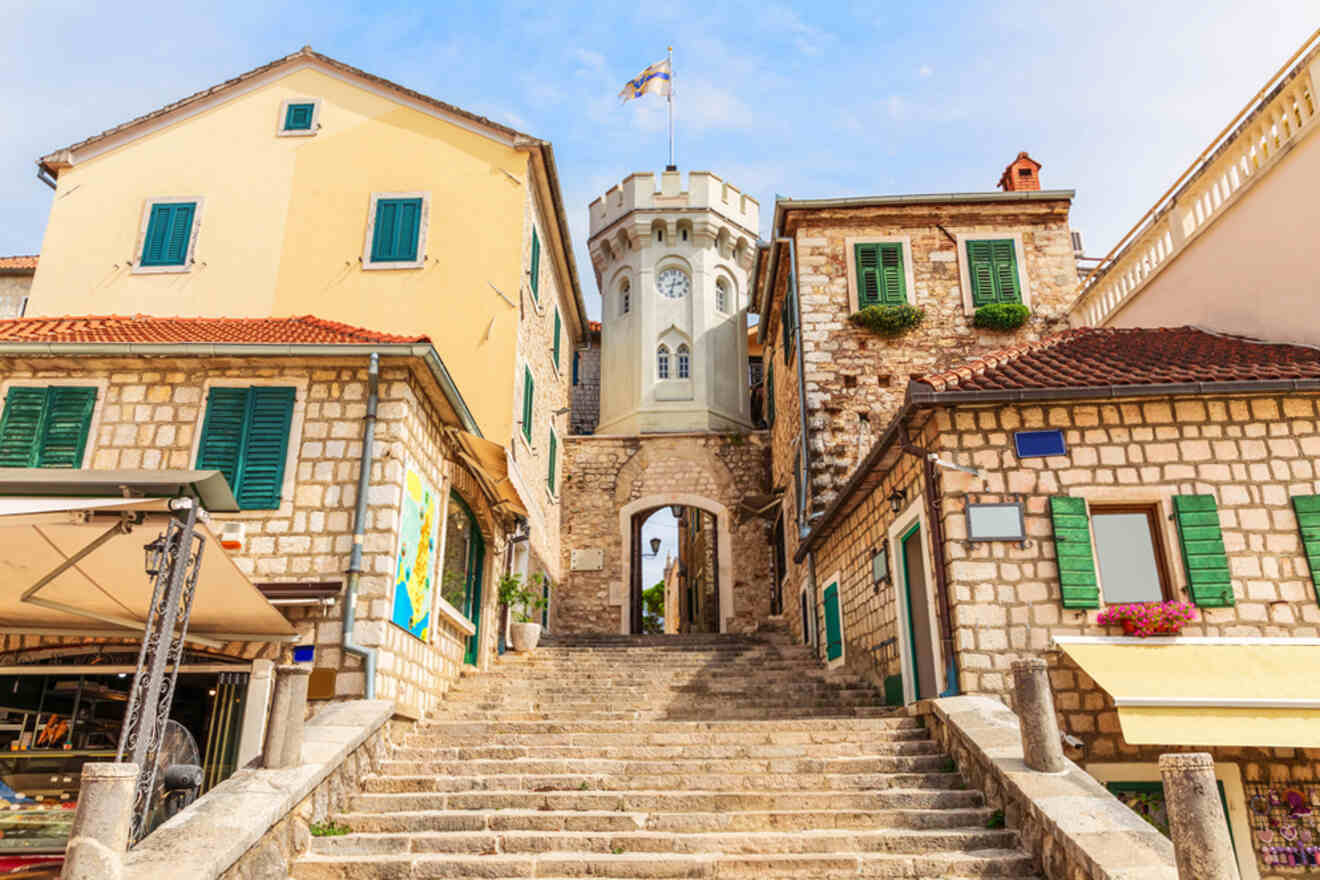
{"points": [[1091, 357], [593, 326], [147, 329], [18, 264]]}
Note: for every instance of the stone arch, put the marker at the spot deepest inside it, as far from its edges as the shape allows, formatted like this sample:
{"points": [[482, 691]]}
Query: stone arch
{"points": [[723, 544]]}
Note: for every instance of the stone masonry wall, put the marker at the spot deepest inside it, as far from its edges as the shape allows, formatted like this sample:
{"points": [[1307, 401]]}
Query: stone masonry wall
{"points": [[13, 291], [586, 390], [607, 473]]}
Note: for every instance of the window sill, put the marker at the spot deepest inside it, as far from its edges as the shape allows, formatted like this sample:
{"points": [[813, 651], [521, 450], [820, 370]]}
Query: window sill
{"points": [[454, 616], [139, 269], [309, 132], [415, 264]]}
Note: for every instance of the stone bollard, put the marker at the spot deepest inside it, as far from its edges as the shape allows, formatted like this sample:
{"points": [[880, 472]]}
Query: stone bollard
{"points": [[101, 823], [1201, 844], [1042, 747], [284, 730]]}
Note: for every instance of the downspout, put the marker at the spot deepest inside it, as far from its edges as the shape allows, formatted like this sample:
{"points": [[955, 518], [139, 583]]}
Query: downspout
{"points": [[804, 526], [368, 655], [934, 502]]}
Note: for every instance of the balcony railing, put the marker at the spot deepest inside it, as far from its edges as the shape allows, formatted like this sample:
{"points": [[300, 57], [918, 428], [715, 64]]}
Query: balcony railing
{"points": [[1278, 116]]}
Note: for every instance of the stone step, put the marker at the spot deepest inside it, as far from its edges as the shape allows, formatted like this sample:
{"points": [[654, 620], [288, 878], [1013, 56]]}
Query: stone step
{"points": [[695, 713], [560, 748], [496, 729], [1003, 863], [593, 766], [549, 782], [411, 821], [669, 801]]}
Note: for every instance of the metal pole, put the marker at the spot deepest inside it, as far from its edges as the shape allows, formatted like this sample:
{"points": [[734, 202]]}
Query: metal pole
{"points": [[670, 96]]}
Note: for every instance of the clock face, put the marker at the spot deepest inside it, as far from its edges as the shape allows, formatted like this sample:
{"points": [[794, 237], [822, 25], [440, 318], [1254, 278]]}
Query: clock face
{"points": [[673, 283]]}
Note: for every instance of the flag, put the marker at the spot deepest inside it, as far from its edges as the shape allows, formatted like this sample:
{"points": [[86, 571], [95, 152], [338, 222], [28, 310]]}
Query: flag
{"points": [[653, 81]]}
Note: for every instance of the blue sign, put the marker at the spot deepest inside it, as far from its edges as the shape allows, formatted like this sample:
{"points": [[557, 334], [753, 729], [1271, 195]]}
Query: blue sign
{"points": [[304, 653], [1034, 444]]}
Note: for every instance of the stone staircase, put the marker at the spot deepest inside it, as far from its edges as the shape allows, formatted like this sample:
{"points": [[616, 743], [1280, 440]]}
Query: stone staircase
{"points": [[660, 757]]}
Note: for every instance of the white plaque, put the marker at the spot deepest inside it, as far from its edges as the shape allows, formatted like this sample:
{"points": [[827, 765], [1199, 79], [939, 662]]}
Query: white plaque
{"points": [[592, 559]]}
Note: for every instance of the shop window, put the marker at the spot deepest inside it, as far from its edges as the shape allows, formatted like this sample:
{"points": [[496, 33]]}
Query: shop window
{"points": [[1130, 553], [46, 427], [245, 436]]}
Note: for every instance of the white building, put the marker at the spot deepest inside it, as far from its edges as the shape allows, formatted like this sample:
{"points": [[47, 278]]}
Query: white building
{"points": [[672, 267]]}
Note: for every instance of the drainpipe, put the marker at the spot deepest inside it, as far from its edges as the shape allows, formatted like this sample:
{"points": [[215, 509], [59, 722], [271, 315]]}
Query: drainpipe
{"points": [[934, 502], [368, 655], [804, 527]]}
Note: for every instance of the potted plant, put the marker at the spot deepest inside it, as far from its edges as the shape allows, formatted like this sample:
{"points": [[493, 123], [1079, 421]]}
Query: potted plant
{"points": [[888, 320], [1001, 316], [523, 601], [1149, 618]]}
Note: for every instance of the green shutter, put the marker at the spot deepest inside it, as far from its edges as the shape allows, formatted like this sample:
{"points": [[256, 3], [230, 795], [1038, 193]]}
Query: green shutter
{"points": [[1007, 288], [298, 117], [67, 422], [833, 624], [265, 447], [558, 330], [993, 269], [398, 228], [770, 394], [536, 265], [1072, 546], [1308, 521], [577, 358], [980, 266], [169, 230], [1203, 552], [880, 278], [550, 472], [221, 447], [529, 388], [19, 428], [788, 321], [868, 274]]}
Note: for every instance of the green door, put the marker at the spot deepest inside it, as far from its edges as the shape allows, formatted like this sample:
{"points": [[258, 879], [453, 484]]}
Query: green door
{"points": [[921, 650]]}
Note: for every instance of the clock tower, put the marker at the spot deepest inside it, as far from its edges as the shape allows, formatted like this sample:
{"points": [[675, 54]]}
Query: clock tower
{"points": [[672, 266]]}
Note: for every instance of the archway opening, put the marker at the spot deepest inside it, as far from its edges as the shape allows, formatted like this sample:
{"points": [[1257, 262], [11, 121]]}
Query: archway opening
{"points": [[675, 571]]}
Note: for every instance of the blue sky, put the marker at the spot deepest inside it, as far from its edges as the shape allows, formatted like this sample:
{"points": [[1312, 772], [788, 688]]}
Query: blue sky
{"points": [[807, 100]]}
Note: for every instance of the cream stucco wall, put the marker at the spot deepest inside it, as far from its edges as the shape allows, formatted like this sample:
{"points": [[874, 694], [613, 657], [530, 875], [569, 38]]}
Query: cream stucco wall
{"points": [[1253, 270], [283, 222]]}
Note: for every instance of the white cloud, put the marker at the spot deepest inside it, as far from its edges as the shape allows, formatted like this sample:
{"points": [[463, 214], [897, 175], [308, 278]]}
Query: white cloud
{"points": [[808, 38], [924, 71]]}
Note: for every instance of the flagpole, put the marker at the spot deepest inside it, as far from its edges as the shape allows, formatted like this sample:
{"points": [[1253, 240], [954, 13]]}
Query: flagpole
{"points": [[671, 108]]}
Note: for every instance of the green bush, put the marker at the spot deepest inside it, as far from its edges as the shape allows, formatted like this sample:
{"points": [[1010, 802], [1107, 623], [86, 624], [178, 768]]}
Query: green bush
{"points": [[888, 320], [1001, 316]]}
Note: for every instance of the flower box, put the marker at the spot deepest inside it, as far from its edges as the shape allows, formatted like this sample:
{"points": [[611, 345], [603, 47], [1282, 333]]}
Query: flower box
{"points": [[1144, 619]]}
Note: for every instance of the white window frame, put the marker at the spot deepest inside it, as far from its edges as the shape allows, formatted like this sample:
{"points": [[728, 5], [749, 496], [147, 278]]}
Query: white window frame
{"points": [[914, 513], [663, 349], [683, 361], [422, 228], [101, 384], [299, 385], [189, 258], [850, 251], [722, 286], [280, 130], [965, 276]]}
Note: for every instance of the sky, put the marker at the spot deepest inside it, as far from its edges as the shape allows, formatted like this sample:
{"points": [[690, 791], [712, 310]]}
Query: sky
{"points": [[808, 100]]}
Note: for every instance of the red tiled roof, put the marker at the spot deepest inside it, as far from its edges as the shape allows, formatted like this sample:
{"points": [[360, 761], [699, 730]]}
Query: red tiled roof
{"points": [[1090, 357], [18, 264], [593, 326], [303, 330]]}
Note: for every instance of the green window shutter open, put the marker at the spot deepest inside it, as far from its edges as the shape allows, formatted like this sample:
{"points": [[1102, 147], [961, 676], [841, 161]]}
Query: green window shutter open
{"points": [[169, 230], [535, 268], [398, 228], [529, 388], [1072, 546], [1307, 508], [550, 472], [880, 278], [993, 269], [788, 322], [770, 394], [1203, 552], [833, 624], [558, 330], [298, 117], [46, 427], [245, 436], [20, 427]]}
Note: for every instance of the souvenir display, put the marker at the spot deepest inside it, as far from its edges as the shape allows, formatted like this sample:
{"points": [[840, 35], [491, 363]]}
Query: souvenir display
{"points": [[1285, 818]]}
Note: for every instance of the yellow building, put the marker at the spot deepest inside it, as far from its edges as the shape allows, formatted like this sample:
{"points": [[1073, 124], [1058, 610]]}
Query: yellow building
{"points": [[307, 186]]}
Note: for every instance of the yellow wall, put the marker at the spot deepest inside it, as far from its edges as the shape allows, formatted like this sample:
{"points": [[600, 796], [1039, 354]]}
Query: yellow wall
{"points": [[284, 221]]}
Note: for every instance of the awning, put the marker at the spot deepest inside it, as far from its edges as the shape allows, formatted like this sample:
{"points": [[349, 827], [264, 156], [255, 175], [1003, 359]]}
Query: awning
{"points": [[1207, 691], [490, 465], [106, 591]]}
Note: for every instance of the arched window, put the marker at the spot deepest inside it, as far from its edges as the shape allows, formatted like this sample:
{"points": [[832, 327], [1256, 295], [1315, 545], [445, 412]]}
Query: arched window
{"points": [[625, 296], [684, 362], [662, 362], [660, 236], [722, 295], [684, 234]]}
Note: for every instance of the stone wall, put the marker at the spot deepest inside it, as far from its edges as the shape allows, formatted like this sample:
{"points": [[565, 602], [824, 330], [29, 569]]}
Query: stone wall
{"points": [[586, 390], [13, 294], [613, 476], [149, 413]]}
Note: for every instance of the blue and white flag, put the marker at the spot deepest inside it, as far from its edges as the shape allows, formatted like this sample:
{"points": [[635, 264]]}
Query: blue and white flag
{"points": [[652, 81]]}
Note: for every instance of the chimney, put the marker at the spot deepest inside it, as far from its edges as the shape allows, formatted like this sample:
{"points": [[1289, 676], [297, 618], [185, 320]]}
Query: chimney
{"points": [[1022, 174]]}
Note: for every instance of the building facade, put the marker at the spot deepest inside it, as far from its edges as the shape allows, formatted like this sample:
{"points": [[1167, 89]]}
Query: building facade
{"points": [[15, 284]]}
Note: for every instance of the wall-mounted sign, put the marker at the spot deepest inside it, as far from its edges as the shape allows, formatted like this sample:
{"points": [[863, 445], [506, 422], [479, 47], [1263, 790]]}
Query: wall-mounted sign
{"points": [[995, 522], [880, 566], [1036, 444], [414, 565], [590, 559]]}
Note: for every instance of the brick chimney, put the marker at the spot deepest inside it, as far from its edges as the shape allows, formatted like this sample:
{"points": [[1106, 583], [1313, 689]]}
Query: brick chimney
{"points": [[1022, 174]]}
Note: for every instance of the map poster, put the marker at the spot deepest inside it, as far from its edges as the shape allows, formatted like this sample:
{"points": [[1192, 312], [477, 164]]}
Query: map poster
{"points": [[414, 566]]}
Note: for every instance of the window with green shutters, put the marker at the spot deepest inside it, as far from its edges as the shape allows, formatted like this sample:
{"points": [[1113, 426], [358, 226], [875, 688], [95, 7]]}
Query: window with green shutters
{"points": [[554, 451], [992, 265], [558, 330], [529, 390], [397, 232], [535, 268], [1072, 547], [788, 323], [1204, 557], [770, 394], [1307, 508], [169, 233], [298, 117], [46, 427], [833, 623], [245, 436], [880, 278]]}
